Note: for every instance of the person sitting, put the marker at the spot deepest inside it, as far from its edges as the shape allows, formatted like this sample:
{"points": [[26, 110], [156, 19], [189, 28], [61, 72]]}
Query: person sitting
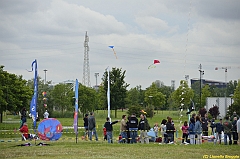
{"points": [[24, 131]]}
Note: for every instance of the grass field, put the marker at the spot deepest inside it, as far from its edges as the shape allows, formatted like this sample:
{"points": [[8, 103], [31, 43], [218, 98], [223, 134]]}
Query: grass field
{"points": [[66, 147]]}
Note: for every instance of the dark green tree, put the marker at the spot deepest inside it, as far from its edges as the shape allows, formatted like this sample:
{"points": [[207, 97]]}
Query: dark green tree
{"points": [[118, 88], [14, 93]]}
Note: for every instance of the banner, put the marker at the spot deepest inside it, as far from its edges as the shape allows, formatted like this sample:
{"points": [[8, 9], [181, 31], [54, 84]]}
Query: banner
{"points": [[75, 122], [33, 104]]}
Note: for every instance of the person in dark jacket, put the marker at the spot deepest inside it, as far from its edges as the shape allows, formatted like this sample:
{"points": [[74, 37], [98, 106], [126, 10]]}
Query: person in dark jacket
{"points": [[85, 124], [143, 126], [234, 131], [170, 130], [23, 116], [227, 125], [205, 125], [109, 128], [133, 128], [219, 129], [92, 127], [128, 132]]}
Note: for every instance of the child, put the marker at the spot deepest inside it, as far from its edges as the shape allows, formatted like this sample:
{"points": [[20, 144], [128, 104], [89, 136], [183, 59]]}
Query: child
{"points": [[155, 128], [185, 132], [109, 129], [104, 134]]}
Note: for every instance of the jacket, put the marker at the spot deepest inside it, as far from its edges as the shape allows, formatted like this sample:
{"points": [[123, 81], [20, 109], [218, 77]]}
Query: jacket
{"points": [[133, 122], [91, 122], [143, 124], [85, 124], [170, 128], [191, 129], [123, 125], [108, 125], [219, 127], [198, 127], [227, 125]]}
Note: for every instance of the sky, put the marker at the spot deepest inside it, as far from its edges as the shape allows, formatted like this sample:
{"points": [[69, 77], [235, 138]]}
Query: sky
{"points": [[180, 34]]}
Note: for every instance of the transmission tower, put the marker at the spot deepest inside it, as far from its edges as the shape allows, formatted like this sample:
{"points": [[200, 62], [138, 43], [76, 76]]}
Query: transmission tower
{"points": [[86, 69]]}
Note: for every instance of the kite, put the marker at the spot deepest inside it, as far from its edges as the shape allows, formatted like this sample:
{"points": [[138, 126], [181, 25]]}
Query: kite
{"points": [[112, 47], [49, 129], [153, 65]]}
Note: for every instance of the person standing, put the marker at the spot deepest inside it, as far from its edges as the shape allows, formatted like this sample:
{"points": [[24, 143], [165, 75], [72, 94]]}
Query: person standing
{"points": [[219, 129], [198, 130], [85, 124], [108, 125], [46, 114], [191, 131], [205, 125], [163, 131], [170, 130], [92, 127], [123, 129], [133, 128], [234, 131], [143, 126], [234, 115], [212, 125], [238, 131], [185, 132], [227, 125], [23, 116]]}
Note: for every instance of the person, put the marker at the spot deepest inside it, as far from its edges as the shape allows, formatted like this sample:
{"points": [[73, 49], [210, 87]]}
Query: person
{"points": [[24, 131], [193, 117], [234, 131], [185, 132], [238, 131], [92, 127], [163, 131], [143, 126], [227, 126], [128, 132], [109, 128], [170, 130], [205, 125], [133, 128], [123, 129], [46, 114], [219, 129], [155, 128], [23, 117], [85, 124], [198, 130], [104, 134], [191, 131], [212, 125], [234, 115]]}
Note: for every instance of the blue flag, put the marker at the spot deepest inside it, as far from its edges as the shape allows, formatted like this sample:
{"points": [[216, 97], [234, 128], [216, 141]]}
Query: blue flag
{"points": [[33, 104], [75, 122]]}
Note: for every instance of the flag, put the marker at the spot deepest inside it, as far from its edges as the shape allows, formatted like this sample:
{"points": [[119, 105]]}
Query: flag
{"points": [[33, 104], [75, 122]]}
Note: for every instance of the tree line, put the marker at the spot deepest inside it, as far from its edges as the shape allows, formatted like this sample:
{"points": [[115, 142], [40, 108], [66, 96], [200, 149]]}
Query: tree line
{"points": [[16, 93]]}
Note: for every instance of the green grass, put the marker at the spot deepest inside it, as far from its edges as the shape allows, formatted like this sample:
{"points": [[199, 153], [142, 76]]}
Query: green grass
{"points": [[67, 148]]}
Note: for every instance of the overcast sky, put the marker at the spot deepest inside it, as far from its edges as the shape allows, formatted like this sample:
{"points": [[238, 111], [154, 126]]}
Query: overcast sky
{"points": [[181, 34]]}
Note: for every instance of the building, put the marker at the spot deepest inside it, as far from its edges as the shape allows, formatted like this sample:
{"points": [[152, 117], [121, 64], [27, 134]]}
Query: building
{"points": [[210, 83]]}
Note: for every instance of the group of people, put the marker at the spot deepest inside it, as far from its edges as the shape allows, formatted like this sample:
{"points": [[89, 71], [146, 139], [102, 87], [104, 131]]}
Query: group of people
{"points": [[129, 129], [198, 129]]}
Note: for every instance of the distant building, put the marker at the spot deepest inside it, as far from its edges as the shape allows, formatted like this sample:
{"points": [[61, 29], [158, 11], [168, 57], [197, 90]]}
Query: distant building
{"points": [[210, 83]]}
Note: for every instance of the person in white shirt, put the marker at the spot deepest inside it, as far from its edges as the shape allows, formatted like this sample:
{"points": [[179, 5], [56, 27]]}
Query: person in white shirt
{"points": [[46, 114], [238, 131]]}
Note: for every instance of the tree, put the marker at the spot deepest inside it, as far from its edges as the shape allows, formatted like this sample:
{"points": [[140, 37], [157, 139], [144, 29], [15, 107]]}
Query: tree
{"points": [[236, 98], [87, 99], [167, 91], [205, 93], [62, 95], [183, 95], [14, 93], [154, 97], [202, 112], [214, 111], [118, 88], [135, 96]]}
